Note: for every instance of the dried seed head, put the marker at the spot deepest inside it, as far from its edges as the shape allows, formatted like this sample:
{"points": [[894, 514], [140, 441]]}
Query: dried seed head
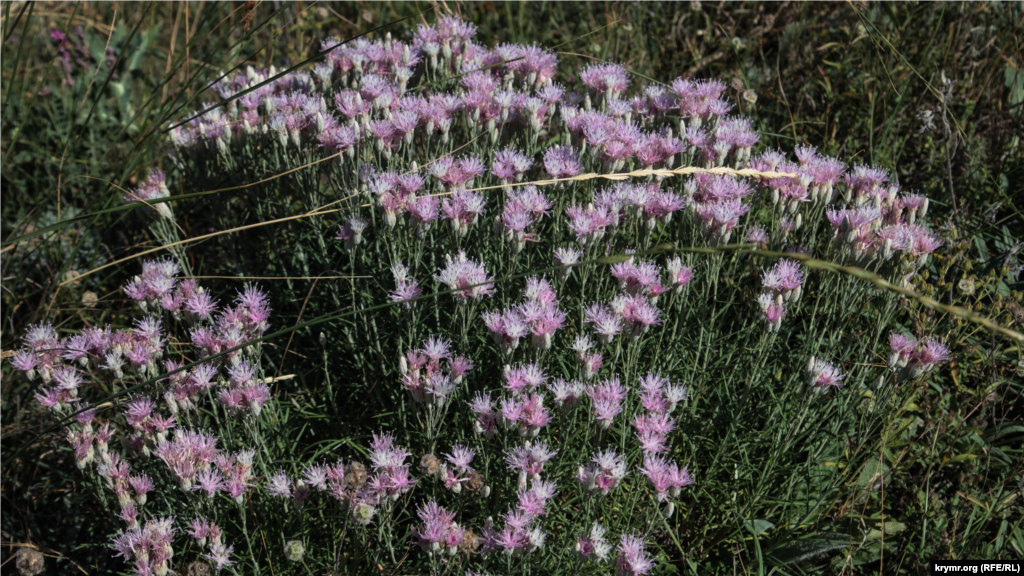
{"points": [[429, 465], [355, 477], [29, 561], [294, 550], [89, 299], [198, 569], [470, 543], [475, 481]]}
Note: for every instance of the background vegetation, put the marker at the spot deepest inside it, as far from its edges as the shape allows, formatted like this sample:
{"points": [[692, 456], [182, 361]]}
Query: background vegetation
{"points": [[933, 93]]}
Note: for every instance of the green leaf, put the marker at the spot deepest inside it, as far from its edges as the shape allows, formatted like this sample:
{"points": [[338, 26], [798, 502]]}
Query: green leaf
{"points": [[888, 529], [758, 526], [872, 473], [800, 550], [962, 458]]}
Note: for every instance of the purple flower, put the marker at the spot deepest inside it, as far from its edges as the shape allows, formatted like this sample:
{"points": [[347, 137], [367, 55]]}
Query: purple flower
{"points": [[510, 165], [506, 328], [482, 406], [406, 287], [220, 555], [772, 310], [607, 397], [593, 546], [279, 484], [424, 210], [633, 559], [565, 257], [461, 457], [757, 235], [588, 223], [721, 218], [530, 459], [351, 232], [467, 277], [605, 472], [463, 209], [929, 354], [149, 547], [209, 481], [666, 477], [638, 278], [605, 321], [652, 430], [609, 79], [901, 349], [679, 276], [438, 524], [568, 394], [562, 162], [638, 313], [823, 375], [785, 279], [142, 485]]}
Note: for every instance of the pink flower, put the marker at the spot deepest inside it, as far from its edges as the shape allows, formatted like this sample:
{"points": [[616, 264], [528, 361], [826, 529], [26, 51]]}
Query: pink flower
{"points": [[633, 559], [605, 472], [785, 279], [467, 277], [530, 459], [666, 478], [562, 162], [437, 525], [510, 165], [593, 546], [610, 79], [824, 375], [606, 323], [607, 397], [279, 484]]}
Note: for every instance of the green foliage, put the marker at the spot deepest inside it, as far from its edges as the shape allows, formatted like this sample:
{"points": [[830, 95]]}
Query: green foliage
{"points": [[934, 474]]}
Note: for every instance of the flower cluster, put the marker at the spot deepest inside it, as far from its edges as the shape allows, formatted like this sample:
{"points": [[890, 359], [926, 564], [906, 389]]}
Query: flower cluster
{"points": [[605, 471], [439, 533], [882, 221], [379, 107], [633, 313], [538, 315], [154, 187], [522, 533], [190, 456], [522, 211], [425, 376], [234, 326], [915, 358], [524, 408], [466, 277], [208, 535], [149, 548], [245, 394], [349, 483], [822, 375]]}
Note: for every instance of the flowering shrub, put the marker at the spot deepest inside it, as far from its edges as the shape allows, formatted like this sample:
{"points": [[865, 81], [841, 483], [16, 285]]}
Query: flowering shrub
{"points": [[594, 366]]}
